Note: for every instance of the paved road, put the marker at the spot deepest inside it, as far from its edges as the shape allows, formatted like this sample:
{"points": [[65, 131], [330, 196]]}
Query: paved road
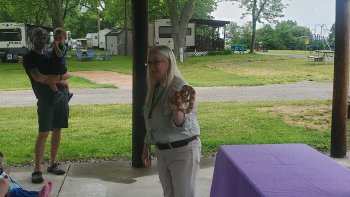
{"points": [[305, 90]]}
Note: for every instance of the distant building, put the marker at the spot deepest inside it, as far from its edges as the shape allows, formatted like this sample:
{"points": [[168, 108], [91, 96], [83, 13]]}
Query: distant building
{"points": [[115, 41]]}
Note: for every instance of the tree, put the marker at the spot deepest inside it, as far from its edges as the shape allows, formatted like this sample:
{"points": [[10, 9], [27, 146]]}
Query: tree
{"points": [[240, 35], [59, 9], [331, 37], [288, 35], [203, 8], [159, 9], [285, 35], [39, 12], [26, 11], [233, 33], [77, 28], [266, 35], [261, 10], [180, 16], [246, 34]]}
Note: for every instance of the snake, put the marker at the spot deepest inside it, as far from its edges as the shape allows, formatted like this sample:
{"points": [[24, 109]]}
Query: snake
{"points": [[186, 95]]}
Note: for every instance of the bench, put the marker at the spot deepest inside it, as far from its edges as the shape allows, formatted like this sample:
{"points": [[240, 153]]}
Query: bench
{"points": [[239, 48], [315, 58]]}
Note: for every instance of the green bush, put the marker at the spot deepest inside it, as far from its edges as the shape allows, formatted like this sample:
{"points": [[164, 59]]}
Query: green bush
{"points": [[224, 52]]}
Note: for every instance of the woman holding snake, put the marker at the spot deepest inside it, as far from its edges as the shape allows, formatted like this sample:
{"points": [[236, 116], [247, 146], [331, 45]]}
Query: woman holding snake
{"points": [[171, 121]]}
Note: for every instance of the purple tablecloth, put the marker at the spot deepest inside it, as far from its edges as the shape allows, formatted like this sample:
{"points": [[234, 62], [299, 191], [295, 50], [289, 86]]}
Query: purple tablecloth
{"points": [[277, 170]]}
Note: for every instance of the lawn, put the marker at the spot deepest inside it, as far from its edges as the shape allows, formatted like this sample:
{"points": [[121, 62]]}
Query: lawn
{"points": [[231, 70], [251, 70], [13, 77], [289, 52], [104, 131]]}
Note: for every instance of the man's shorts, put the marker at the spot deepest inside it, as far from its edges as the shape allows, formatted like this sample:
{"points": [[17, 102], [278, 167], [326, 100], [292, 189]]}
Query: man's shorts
{"points": [[51, 115]]}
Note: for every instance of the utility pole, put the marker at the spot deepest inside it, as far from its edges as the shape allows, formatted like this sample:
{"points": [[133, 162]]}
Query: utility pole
{"points": [[341, 79]]}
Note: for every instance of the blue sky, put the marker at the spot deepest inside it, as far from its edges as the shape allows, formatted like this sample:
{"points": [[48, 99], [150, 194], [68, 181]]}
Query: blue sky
{"points": [[304, 12]]}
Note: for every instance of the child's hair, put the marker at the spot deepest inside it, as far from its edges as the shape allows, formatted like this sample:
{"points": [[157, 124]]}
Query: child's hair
{"points": [[1, 155], [58, 31]]}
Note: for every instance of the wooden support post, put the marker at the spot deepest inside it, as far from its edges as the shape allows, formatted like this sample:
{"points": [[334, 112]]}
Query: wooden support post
{"points": [[140, 48], [341, 78]]}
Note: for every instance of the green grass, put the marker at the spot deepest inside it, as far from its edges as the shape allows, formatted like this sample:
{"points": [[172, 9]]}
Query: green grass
{"points": [[229, 70], [252, 69], [225, 70], [13, 77], [104, 131], [121, 64], [79, 82], [288, 52]]}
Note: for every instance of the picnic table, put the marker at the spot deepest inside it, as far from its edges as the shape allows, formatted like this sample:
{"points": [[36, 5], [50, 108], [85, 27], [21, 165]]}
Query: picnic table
{"points": [[239, 48], [322, 56]]}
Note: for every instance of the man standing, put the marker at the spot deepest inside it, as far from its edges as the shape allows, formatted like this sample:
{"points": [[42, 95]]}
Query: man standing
{"points": [[51, 117]]}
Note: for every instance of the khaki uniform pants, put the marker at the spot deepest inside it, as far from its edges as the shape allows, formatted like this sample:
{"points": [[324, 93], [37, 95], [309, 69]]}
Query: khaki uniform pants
{"points": [[178, 169]]}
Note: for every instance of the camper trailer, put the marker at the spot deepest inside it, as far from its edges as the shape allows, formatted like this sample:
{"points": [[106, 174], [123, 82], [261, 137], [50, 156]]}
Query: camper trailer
{"points": [[98, 40], [160, 33], [94, 39], [102, 38], [15, 39]]}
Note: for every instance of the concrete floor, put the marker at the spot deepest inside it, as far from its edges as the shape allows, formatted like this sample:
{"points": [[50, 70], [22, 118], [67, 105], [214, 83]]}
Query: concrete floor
{"points": [[109, 179], [116, 179]]}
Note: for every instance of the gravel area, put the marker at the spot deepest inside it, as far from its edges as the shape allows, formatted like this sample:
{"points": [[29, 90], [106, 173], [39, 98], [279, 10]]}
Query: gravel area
{"points": [[305, 90]]}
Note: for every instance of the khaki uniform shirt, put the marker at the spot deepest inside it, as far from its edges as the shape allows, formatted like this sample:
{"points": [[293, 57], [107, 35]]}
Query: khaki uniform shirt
{"points": [[160, 125]]}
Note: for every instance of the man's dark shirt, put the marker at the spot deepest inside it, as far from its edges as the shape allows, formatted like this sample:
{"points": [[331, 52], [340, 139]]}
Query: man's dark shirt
{"points": [[34, 60]]}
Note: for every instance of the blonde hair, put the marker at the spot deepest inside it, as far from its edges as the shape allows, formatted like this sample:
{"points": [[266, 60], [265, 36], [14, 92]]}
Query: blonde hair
{"points": [[167, 55]]}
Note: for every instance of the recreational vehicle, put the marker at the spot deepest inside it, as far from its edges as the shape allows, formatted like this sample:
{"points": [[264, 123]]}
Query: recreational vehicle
{"points": [[15, 40], [94, 39], [160, 33]]}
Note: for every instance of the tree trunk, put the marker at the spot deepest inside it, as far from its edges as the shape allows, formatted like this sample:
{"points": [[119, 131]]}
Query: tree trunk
{"points": [[57, 23], [254, 20], [126, 28], [180, 23], [56, 12], [180, 40]]}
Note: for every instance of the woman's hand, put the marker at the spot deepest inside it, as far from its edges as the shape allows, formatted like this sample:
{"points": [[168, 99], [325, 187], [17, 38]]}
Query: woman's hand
{"points": [[183, 98], [146, 155]]}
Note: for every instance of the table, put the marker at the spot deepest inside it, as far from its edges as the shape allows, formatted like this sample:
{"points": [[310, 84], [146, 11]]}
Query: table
{"points": [[278, 170], [324, 54]]}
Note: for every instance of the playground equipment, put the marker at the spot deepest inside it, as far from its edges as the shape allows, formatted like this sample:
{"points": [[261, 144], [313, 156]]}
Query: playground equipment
{"points": [[318, 39]]}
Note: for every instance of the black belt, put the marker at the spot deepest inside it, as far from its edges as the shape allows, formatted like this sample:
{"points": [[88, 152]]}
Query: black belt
{"points": [[176, 144]]}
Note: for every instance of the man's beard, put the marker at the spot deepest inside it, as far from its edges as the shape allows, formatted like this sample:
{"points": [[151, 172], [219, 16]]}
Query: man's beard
{"points": [[39, 46]]}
